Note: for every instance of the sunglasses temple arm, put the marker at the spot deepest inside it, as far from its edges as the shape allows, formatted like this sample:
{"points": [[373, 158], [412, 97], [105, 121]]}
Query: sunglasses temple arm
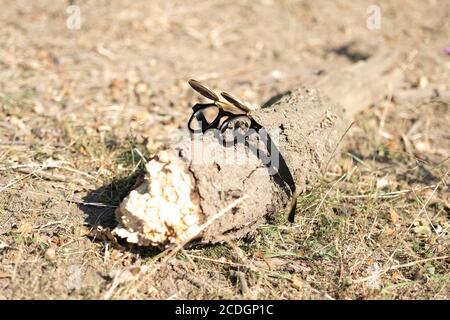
{"points": [[202, 120], [286, 175]]}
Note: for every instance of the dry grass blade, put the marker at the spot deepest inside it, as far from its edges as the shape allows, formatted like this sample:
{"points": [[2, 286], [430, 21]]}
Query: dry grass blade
{"points": [[320, 206], [400, 266], [171, 252]]}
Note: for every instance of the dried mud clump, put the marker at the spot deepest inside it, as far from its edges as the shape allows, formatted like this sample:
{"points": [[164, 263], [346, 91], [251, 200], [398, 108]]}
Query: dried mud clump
{"points": [[192, 181], [162, 210]]}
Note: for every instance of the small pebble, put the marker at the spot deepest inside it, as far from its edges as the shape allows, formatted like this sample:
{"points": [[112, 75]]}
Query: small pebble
{"points": [[50, 254]]}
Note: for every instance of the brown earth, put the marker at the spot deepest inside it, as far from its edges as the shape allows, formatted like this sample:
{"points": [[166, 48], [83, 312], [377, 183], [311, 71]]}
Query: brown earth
{"points": [[79, 109]]}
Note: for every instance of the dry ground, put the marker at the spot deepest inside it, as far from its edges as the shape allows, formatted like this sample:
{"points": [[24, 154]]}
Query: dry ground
{"points": [[79, 109]]}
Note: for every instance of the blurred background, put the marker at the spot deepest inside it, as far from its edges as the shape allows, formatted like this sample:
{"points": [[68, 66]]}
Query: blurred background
{"points": [[128, 59]]}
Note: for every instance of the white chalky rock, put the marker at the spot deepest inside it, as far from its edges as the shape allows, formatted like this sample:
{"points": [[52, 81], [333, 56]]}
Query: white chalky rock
{"points": [[162, 210]]}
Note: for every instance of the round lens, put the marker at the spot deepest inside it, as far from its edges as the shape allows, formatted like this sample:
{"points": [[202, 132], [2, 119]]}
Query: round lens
{"points": [[203, 118], [235, 129]]}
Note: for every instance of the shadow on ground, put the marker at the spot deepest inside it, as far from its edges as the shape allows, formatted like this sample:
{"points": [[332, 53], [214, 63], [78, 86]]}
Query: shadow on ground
{"points": [[100, 205]]}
